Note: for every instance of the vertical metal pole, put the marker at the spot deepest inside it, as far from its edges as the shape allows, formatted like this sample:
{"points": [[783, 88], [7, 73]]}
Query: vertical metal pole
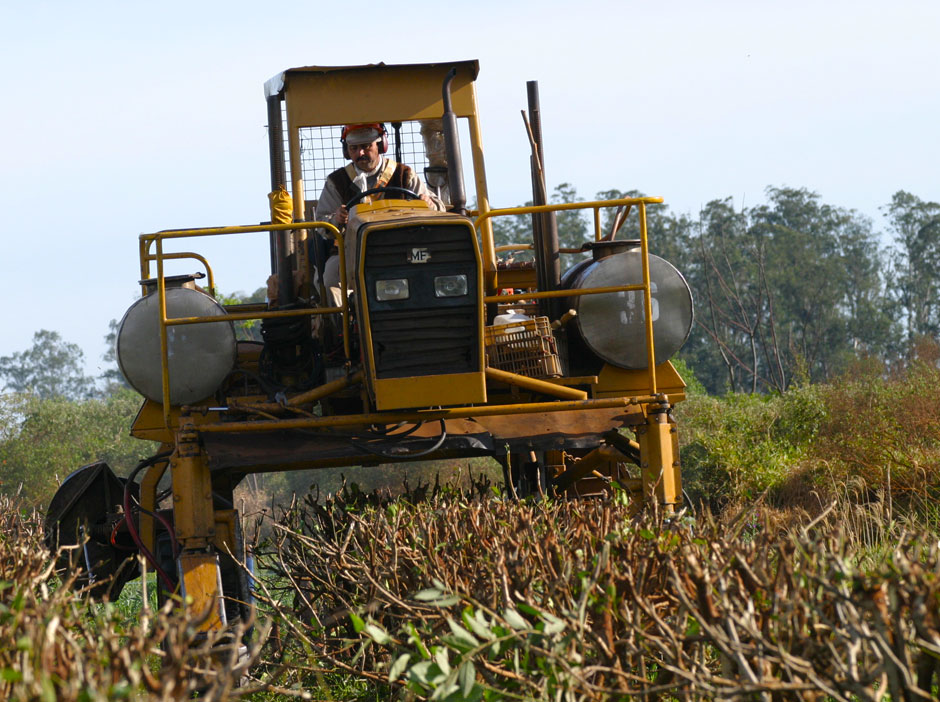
{"points": [[164, 342], [544, 225], [144, 263], [483, 198], [647, 301], [194, 522], [280, 242], [458, 196], [397, 127], [276, 157]]}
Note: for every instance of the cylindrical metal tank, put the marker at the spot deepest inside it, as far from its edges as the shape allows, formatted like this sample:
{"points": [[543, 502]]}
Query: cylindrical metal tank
{"points": [[200, 355], [612, 325]]}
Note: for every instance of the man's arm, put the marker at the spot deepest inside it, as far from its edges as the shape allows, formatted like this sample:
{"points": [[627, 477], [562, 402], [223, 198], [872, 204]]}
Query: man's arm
{"points": [[329, 207]]}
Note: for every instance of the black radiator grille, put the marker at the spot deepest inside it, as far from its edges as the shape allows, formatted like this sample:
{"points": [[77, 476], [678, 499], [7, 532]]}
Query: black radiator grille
{"points": [[423, 335], [425, 342]]}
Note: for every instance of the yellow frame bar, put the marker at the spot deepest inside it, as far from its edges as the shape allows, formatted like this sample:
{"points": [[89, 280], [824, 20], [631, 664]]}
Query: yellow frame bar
{"points": [[156, 239], [182, 255], [427, 415], [536, 385], [545, 294], [595, 205], [489, 255]]}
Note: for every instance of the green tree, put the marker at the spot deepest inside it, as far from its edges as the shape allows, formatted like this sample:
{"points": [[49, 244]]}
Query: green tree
{"points": [[823, 275], [50, 368], [513, 229], [42, 440], [572, 224], [112, 377], [916, 263], [517, 229], [871, 327], [788, 289], [249, 329], [726, 282]]}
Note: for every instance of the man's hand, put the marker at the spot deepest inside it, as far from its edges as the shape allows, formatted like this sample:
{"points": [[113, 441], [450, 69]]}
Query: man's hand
{"points": [[427, 199], [341, 216]]}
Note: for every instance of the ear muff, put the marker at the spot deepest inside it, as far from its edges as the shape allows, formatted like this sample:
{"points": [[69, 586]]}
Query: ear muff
{"points": [[383, 142]]}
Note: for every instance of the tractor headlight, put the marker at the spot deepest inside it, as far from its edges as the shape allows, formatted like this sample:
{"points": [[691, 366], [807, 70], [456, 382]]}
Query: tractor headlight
{"points": [[395, 289], [450, 285]]}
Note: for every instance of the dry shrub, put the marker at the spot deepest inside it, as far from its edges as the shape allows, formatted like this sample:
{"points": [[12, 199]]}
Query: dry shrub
{"points": [[465, 598], [861, 439], [883, 434], [60, 646]]}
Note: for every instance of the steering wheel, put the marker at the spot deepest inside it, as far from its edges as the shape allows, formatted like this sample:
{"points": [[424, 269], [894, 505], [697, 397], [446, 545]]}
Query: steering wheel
{"points": [[410, 194]]}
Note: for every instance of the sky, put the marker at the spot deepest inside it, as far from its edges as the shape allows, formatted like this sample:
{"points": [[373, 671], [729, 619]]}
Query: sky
{"points": [[121, 118]]}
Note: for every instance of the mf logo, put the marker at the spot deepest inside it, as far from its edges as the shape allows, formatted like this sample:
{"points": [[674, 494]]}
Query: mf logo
{"points": [[419, 256]]}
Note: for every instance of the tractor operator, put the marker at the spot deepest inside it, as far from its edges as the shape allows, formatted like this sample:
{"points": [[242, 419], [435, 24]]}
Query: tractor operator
{"points": [[365, 146]]}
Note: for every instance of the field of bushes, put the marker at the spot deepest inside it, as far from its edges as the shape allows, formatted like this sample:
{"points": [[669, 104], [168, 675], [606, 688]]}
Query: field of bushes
{"points": [[805, 566]]}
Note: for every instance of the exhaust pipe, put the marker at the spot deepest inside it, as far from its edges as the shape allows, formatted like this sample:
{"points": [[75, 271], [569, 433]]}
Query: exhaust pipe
{"points": [[544, 225], [458, 196]]}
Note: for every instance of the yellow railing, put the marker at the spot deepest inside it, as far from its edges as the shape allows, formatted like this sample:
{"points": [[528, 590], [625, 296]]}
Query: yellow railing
{"points": [[489, 254], [210, 278], [156, 240], [595, 205]]}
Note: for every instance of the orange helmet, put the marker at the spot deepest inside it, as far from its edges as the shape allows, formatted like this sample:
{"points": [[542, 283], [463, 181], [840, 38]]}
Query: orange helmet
{"points": [[355, 134], [379, 130]]}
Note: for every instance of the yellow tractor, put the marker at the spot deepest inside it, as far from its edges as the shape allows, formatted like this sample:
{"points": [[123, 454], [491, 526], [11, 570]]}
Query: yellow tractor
{"points": [[437, 347]]}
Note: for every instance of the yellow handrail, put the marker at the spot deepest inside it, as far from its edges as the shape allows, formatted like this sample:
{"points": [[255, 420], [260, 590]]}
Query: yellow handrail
{"points": [[529, 247], [427, 415], [595, 205], [188, 254], [640, 203], [157, 239]]}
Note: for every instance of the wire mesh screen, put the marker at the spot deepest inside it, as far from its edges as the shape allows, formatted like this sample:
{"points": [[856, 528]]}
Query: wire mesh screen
{"points": [[321, 152], [285, 145]]}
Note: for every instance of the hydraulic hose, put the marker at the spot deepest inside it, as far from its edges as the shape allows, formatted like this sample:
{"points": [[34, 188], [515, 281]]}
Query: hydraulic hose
{"points": [[132, 527], [397, 456]]}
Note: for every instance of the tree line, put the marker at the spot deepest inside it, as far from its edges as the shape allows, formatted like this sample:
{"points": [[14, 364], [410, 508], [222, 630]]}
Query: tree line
{"points": [[791, 290]]}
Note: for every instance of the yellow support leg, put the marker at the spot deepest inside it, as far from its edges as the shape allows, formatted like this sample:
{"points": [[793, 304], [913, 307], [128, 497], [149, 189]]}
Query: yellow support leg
{"points": [[201, 583], [194, 523], [193, 515], [659, 459]]}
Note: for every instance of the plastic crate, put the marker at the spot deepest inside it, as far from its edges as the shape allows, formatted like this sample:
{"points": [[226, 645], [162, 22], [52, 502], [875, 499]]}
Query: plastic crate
{"points": [[526, 347]]}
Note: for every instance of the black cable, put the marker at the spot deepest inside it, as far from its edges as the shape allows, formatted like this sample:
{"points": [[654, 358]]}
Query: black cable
{"points": [[388, 435], [398, 456], [166, 525], [132, 528], [383, 431]]}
